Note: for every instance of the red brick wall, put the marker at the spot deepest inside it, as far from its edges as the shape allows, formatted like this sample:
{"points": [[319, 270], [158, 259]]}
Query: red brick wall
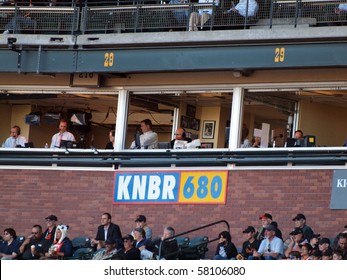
{"points": [[79, 198]]}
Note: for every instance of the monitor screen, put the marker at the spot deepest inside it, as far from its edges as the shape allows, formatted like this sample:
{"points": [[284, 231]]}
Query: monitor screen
{"points": [[29, 145], [293, 142], [67, 144]]}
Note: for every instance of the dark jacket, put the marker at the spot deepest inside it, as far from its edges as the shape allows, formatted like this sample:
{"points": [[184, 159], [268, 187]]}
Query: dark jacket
{"points": [[113, 232]]}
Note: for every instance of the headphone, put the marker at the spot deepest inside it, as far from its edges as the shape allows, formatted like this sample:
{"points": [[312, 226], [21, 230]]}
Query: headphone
{"points": [[17, 128], [184, 133]]}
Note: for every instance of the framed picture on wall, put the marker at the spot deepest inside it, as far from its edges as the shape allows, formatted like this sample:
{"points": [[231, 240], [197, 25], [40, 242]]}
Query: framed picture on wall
{"points": [[206, 145], [195, 124], [191, 111], [208, 129], [185, 122]]}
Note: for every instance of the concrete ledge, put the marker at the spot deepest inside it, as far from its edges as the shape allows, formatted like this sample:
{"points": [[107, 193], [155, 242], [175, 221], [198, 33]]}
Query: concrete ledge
{"points": [[214, 37], [38, 39]]}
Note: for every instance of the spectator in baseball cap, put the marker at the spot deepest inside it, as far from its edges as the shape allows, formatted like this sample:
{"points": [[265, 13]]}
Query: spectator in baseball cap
{"points": [[296, 241], [141, 222], [266, 219], [300, 222]]}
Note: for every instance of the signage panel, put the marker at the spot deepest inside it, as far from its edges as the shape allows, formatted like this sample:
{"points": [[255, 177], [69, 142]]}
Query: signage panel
{"points": [[177, 187], [339, 190]]}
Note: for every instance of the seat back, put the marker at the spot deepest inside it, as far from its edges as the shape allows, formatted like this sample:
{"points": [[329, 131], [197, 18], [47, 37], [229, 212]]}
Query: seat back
{"points": [[196, 250], [81, 254], [81, 242]]}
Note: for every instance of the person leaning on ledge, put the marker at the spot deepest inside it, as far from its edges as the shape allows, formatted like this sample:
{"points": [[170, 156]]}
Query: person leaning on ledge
{"points": [[15, 140]]}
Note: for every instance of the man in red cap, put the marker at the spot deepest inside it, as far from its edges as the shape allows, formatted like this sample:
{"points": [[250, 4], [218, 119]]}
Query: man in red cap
{"points": [[266, 220]]}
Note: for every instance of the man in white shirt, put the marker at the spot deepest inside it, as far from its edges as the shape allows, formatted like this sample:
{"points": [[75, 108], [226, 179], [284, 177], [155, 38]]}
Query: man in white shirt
{"points": [[271, 248], [63, 134], [15, 140], [148, 138]]}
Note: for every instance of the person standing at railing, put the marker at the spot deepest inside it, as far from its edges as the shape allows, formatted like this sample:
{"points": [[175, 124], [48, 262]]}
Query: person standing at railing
{"points": [[180, 14], [202, 16]]}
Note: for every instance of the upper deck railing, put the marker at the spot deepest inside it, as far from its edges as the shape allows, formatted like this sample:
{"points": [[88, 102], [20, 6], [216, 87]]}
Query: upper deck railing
{"points": [[81, 17]]}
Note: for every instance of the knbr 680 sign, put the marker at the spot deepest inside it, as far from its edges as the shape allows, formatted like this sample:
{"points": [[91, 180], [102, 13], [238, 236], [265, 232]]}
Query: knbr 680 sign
{"points": [[191, 187]]}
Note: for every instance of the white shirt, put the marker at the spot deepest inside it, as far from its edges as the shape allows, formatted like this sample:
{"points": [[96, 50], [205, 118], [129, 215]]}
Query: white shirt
{"points": [[252, 8], [207, 10], [275, 246], [148, 140], [65, 136], [13, 142]]}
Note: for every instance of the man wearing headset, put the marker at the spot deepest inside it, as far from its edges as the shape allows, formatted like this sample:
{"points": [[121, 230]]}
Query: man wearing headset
{"points": [[180, 135], [15, 140]]}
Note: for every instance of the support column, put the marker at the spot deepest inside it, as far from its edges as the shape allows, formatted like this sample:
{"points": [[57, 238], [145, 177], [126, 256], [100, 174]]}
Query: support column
{"points": [[236, 118], [121, 120]]}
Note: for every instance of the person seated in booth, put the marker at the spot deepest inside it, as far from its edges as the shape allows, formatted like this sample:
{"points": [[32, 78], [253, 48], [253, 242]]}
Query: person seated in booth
{"points": [[15, 140], [202, 16], [298, 134], [180, 135], [111, 135], [148, 138], [63, 134]]}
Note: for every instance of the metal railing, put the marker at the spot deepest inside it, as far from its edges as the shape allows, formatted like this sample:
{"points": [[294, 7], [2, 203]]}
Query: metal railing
{"points": [[168, 158], [153, 16], [194, 230]]}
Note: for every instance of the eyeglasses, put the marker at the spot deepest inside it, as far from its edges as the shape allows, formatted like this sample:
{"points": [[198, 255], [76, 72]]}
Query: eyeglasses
{"points": [[178, 134], [126, 240], [34, 233]]}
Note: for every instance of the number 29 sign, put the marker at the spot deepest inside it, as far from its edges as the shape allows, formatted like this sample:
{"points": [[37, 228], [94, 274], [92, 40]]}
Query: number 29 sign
{"points": [[186, 187]]}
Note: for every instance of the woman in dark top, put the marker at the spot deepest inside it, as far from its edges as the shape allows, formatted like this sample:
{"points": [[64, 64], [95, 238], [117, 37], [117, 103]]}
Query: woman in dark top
{"points": [[9, 249], [226, 250]]}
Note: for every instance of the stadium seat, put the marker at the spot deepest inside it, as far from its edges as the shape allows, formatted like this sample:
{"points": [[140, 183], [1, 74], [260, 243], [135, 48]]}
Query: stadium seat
{"points": [[81, 254], [81, 242], [196, 250]]}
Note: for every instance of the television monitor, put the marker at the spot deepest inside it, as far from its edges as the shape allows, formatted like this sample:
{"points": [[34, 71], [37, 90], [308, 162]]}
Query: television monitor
{"points": [[67, 144], [293, 142], [309, 141], [32, 119], [29, 145]]}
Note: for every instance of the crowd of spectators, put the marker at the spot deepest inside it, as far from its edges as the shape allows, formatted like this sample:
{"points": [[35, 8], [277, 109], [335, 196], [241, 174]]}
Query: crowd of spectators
{"points": [[266, 243]]}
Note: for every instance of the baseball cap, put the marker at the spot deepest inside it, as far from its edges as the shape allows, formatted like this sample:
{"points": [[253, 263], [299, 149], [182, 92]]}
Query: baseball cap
{"points": [[52, 218], [271, 227], [324, 241], [249, 229], [299, 216], [140, 218], [265, 215], [296, 231]]}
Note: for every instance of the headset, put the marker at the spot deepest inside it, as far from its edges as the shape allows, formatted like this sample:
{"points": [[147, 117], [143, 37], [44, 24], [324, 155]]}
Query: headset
{"points": [[17, 128]]}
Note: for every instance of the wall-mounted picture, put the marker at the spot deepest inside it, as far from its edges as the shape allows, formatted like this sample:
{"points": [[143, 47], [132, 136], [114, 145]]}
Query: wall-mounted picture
{"points": [[195, 124], [185, 122], [191, 111], [208, 129], [206, 145]]}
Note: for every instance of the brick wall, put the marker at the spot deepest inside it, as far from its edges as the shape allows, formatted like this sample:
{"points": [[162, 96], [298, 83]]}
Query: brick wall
{"points": [[79, 198]]}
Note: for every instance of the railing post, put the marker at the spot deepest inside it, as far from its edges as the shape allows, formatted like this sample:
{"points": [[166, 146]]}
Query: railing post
{"points": [[271, 13]]}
